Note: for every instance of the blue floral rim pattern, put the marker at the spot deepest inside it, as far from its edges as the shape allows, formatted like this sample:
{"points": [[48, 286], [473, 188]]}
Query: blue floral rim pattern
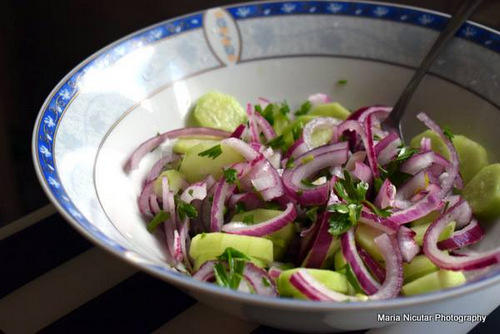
{"points": [[55, 106]]}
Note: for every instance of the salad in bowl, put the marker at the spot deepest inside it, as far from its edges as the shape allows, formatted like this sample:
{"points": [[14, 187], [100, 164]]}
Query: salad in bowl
{"points": [[317, 202]]}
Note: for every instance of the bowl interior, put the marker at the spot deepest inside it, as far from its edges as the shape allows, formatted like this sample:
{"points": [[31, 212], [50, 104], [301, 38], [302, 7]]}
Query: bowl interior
{"points": [[146, 83]]}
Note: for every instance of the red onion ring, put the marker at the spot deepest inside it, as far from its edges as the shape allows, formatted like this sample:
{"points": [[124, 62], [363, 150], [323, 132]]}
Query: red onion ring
{"points": [[387, 148], [320, 123], [319, 250], [375, 268], [386, 195], [318, 99], [407, 244], [222, 192], [468, 235]]}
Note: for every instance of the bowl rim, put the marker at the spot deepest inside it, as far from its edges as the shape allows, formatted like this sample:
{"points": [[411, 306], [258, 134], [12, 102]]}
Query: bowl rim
{"points": [[184, 281]]}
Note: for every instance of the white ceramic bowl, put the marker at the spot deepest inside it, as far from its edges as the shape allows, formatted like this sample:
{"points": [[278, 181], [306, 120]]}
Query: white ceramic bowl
{"points": [[146, 82]]}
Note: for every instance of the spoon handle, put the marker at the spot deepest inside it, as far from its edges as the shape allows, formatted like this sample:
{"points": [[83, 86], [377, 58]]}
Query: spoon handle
{"points": [[465, 9]]}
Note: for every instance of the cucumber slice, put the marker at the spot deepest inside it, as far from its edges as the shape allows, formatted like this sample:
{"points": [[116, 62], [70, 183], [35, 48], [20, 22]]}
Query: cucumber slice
{"points": [[331, 279], [472, 156], [209, 257], [335, 110], [364, 237], [207, 246], [418, 267], [196, 167], [426, 219], [435, 281], [281, 239], [422, 228], [483, 193], [175, 181], [183, 145], [340, 261], [219, 111]]}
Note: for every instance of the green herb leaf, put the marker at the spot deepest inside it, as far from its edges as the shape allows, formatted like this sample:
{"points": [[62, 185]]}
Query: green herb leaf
{"points": [[277, 142], [190, 192], [186, 210], [351, 277], [231, 175], [159, 218], [447, 132], [221, 276], [384, 213], [213, 152], [248, 219], [307, 183], [284, 108], [266, 282], [297, 131], [290, 163], [312, 213], [339, 224], [304, 108], [267, 113], [240, 207], [342, 81], [235, 260]]}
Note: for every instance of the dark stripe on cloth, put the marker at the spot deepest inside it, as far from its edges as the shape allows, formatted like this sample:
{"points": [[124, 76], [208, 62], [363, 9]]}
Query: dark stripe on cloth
{"points": [[140, 304], [37, 249]]}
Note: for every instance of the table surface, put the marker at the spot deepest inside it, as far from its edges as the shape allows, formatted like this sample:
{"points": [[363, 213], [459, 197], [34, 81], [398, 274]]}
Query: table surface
{"points": [[52, 279]]}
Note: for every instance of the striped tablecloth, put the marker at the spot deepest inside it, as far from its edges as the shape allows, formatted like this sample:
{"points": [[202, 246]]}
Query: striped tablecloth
{"points": [[52, 280]]}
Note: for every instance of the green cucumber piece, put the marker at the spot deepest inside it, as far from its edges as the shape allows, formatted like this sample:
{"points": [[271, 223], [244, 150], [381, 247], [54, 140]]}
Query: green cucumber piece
{"points": [[418, 267], [335, 110], [281, 239], [435, 281], [422, 228], [196, 167], [472, 156], [209, 257], [183, 145], [483, 193], [331, 279], [364, 237], [207, 246], [297, 123], [340, 261], [219, 111], [175, 181], [426, 219]]}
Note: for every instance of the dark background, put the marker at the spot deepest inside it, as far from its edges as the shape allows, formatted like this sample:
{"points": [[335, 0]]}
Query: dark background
{"points": [[40, 41]]}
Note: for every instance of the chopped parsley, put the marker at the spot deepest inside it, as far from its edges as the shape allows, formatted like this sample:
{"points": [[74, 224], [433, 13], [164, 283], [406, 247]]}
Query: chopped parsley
{"points": [[265, 282], [231, 175], [186, 210], [307, 159], [351, 277], [312, 213], [392, 170], [240, 207], [213, 152], [342, 81], [304, 108], [267, 112], [277, 142], [297, 130], [447, 132], [229, 270], [248, 219], [159, 218], [307, 183], [290, 163], [190, 192]]}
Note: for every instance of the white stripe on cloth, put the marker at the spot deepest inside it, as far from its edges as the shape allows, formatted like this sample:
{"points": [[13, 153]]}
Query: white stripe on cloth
{"points": [[27, 221], [60, 291], [203, 319]]}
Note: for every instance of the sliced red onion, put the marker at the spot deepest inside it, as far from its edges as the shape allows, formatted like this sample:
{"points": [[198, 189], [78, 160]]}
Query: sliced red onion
{"points": [[407, 244], [386, 195], [264, 125], [319, 98], [168, 200], [430, 202], [421, 161], [307, 239], [375, 268], [414, 185], [263, 102], [469, 261], [355, 126], [256, 276], [320, 123], [453, 169], [382, 224], [238, 132], [265, 179], [391, 287], [425, 144], [222, 192], [348, 245], [468, 235], [305, 168], [154, 142], [206, 272], [169, 228], [249, 199], [159, 165], [298, 148], [378, 112], [184, 242], [206, 208], [153, 204], [194, 191], [252, 124], [358, 156], [144, 207], [209, 181], [319, 250], [263, 228], [274, 272], [362, 172], [242, 148], [387, 148], [464, 212], [177, 247]]}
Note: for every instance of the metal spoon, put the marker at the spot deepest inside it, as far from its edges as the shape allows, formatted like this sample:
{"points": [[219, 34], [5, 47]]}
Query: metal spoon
{"points": [[464, 10]]}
